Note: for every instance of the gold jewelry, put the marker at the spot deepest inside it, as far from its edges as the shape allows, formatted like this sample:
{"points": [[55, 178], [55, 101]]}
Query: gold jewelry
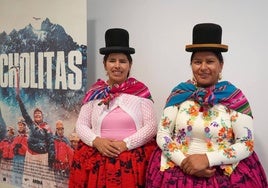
{"points": [[194, 81], [220, 76]]}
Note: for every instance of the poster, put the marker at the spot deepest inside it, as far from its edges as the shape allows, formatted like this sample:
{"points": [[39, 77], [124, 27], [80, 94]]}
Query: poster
{"points": [[43, 67]]}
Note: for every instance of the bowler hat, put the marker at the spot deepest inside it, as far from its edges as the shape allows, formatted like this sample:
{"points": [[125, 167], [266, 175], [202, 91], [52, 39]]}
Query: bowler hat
{"points": [[117, 41], [207, 36]]}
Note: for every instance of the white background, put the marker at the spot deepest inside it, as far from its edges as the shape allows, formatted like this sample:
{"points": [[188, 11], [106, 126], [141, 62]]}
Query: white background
{"points": [[159, 31]]}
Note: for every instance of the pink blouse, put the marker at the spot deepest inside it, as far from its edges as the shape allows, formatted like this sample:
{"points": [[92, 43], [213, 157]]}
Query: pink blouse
{"points": [[117, 128], [140, 110]]}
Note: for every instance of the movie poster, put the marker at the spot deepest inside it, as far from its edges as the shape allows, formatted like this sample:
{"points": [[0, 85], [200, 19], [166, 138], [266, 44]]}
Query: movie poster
{"points": [[43, 67]]}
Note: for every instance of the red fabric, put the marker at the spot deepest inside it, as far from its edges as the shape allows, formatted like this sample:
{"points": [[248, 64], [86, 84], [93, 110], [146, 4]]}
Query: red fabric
{"points": [[22, 140], [91, 169], [44, 125], [6, 149], [63, 155]]}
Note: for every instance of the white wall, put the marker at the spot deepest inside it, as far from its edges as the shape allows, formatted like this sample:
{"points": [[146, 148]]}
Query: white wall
{"points": [[159, 31]]}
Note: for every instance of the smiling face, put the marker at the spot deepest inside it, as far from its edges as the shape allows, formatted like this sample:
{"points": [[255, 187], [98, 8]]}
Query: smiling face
{"points": [[38, 117], [206, 68], [118, 67]]}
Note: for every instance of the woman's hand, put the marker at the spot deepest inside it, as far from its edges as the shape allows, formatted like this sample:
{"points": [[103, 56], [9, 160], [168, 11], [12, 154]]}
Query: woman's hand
{"points": [[195, 163], [206, 173], [106, 147], [120, 145]]}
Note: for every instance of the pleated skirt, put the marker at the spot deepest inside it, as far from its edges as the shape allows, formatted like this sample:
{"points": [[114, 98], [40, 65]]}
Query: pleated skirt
{"points": [[91, 169], [248, 174]]}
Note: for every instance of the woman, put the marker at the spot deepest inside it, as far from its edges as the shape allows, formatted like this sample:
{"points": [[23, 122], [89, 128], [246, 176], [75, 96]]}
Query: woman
{"points": [[116, 124], [205, 135]]}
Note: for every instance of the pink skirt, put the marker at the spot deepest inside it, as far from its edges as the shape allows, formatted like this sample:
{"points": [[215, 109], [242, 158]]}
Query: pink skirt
{"points": [[248, 174]]}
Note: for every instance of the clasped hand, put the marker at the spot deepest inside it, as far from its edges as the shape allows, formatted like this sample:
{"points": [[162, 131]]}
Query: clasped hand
{"points": [[109, 147], [197, 165]]}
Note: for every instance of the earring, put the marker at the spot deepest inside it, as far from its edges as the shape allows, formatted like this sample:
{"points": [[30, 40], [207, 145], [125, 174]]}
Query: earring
{"points": [[194, 81], [220, 76]]}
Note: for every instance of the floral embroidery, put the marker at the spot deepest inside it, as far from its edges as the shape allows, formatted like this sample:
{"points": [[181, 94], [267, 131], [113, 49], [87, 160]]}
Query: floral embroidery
{"points": [[234, 117], [221, 133], [169, 146], [183, 139], [208, 139], [184, 136], [248, 140], [190, 122], [172, 146], [215, 129], [225, 133], [229, 152], [230, 134], [214, 124], [250, 145], [181, 136], [208, 115], [228, 169], [169, 164], [165, 122], [193, 110]]}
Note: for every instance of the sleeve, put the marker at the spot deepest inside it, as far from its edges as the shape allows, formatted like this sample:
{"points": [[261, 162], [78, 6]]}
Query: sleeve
{"points": [[24, 147], [14, 146], [70, 155], [148, 129], [51, 148], [25, 114], [1, 148], [243, 145], [169, 147], [83, 124]]}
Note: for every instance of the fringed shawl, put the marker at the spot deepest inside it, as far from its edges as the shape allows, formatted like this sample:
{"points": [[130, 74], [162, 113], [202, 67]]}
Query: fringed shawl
{"points": [[101, 90], [223, 92]]}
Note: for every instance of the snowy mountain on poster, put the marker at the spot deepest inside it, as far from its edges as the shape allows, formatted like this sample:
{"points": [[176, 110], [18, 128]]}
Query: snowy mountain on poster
{"points": [[45, 83]]}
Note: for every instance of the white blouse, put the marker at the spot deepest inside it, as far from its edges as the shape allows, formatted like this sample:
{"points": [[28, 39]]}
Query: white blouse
{"points": [[225, 135]]}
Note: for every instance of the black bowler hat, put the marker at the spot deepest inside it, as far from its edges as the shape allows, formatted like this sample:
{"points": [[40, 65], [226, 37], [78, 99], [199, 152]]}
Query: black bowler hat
{"points": [[117, 41], [207, 36]]}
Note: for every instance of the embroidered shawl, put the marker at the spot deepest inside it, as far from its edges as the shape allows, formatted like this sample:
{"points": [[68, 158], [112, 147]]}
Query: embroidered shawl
{"points": [[223, 92], [101, 90]]}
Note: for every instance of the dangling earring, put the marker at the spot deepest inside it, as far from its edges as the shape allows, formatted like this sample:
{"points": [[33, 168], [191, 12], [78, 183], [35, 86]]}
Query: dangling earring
{"points": [[194, 81], [220, 76]]}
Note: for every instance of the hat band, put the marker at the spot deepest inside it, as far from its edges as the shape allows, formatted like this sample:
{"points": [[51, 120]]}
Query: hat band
{"points": [[117, 49], [216, 46]]}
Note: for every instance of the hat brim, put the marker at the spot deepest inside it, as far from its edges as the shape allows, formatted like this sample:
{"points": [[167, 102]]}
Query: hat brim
{"points": [[204, 47], [117, 49]]}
